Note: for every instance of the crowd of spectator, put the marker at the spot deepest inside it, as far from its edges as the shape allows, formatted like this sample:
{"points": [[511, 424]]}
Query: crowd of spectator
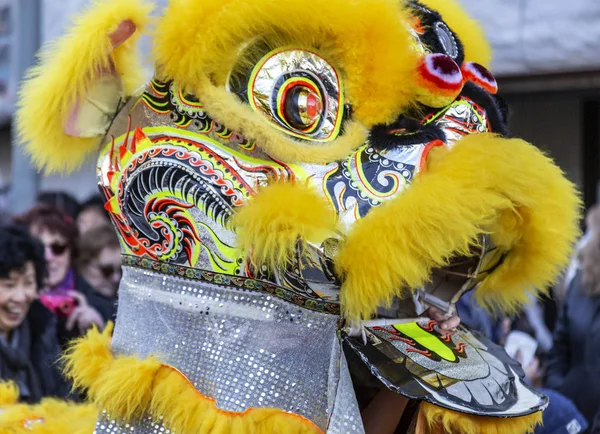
{"points": [[59, 274]]}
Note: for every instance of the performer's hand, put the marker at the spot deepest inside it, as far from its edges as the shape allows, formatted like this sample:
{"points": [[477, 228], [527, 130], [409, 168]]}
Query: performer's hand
{"points": [[445, 323], [84, 316]]}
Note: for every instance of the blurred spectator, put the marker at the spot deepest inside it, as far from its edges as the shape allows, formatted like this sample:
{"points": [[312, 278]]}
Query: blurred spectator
{"points": [[62, 201], [92, 214], [100, 260], [575, 357], [29, 349], [596, 425], [561, 416], [75, 303], [532, 322], [561, 290]]}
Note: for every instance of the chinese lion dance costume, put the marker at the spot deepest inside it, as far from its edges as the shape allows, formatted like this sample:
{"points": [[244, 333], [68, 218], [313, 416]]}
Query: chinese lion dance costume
{"points": [[293, 188]]}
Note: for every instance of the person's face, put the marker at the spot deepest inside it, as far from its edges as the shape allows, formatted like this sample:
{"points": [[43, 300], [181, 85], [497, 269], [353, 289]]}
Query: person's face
{"points": [[17, 291], [91, 218], [57, 253], [104, 271]]}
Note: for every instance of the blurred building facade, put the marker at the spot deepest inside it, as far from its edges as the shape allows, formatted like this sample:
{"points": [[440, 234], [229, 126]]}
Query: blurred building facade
{"points": [[547, 60]]}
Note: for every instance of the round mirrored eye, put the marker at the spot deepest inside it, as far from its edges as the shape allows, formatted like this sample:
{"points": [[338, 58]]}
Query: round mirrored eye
{"points": [[302, 106], [298, 91]]}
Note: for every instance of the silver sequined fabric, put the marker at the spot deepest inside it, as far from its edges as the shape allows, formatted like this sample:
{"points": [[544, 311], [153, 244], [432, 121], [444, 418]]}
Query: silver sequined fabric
{"points": [[346, 417], [108, 425], [245, 349]]}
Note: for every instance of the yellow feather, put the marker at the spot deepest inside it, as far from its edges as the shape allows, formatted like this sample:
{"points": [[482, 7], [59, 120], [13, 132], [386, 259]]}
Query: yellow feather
{"points": [[437, 420], [271, 223], [66, 70], [469, 31], [464, 192], [129, 389], [48, 417], [366, 41], [9, 393]]}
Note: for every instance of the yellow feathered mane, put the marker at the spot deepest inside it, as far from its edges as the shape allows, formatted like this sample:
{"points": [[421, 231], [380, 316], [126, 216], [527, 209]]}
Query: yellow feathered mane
{"points": [[63, 76]]}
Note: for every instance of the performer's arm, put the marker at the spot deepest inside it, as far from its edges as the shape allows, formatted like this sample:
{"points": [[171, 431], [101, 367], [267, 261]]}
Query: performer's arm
{"points": [[383, 414]]}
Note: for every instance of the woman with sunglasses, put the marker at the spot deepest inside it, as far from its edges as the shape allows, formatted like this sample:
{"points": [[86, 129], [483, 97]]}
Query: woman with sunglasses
{"points": [[100, 260], [29, 349], [76, 305]]}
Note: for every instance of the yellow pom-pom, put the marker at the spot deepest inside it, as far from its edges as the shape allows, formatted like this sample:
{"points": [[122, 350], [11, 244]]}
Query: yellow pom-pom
{"points": [[278, 217], [9, 393]]}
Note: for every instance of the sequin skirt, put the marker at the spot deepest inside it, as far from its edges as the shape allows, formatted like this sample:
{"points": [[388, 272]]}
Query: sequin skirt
{"points": [[244, 349]]}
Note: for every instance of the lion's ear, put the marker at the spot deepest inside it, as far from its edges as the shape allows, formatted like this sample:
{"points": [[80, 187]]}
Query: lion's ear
{"points": [[68, 100]]}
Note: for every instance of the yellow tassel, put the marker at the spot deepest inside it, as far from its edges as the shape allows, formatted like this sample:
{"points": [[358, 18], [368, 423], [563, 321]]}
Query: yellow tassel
{"points": [[469, 31], [66, 70], [437, 420], [272, 223], [129, 389], [463, 192]]}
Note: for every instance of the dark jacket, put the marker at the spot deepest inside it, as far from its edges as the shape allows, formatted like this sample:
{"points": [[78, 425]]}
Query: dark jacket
{"points": [[574, 361], [31, 357], [596, 427], [561, 416]]}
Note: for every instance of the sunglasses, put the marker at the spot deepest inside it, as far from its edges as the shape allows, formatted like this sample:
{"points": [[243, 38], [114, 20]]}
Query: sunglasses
{"points": [[57, 249], [109, 271]]}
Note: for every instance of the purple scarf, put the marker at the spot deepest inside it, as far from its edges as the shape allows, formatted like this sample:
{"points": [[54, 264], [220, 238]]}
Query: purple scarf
{"points": [[68, 284]]}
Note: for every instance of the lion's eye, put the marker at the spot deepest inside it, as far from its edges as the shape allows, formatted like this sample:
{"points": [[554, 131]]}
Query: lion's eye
{"points": [[297, 90], [301, 106]]}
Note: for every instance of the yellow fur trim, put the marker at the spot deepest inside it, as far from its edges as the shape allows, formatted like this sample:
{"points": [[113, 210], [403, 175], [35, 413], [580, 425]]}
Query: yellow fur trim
{"points": [[464, 192], [271, 223], [65, 72], [129, 388], [539, 231], [48, 417], [9, 393], [367, 41], [437, 420], [469, 31]]}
